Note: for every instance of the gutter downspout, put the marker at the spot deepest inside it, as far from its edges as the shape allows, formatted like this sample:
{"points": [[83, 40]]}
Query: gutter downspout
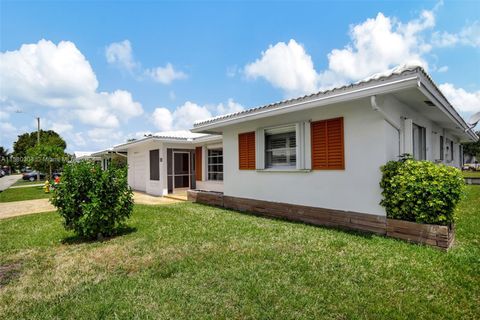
{"points": [[386, 117], [376, 107]]}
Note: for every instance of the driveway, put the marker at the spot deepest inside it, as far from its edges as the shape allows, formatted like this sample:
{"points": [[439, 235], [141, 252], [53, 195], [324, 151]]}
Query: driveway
{"points": [[7, 181]]}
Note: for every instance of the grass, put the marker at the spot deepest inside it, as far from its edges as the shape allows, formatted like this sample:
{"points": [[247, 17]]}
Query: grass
{"points": [[188, 261], [22, 182], [19, 194], [471, 174]]}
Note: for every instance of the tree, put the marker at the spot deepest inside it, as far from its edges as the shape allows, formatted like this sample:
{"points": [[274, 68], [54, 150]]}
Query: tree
{"points": [[472, 148], [46, 158], [29, 140], [3, 156]]}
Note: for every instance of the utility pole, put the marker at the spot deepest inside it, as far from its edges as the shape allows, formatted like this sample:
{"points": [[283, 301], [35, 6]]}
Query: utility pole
{"points": [[38, 142]]}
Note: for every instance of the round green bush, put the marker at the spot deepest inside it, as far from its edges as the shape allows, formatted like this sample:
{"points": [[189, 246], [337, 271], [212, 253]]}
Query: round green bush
{"points": [[94, 203], [421, 191]]}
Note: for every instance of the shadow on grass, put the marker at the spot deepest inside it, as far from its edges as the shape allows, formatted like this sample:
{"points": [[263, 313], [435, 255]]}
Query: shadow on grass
{"points": [[121, 231], [360, 233]]}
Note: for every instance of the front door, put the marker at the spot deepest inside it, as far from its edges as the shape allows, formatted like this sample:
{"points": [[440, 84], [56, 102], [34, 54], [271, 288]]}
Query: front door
{"points": [[181, 169]]}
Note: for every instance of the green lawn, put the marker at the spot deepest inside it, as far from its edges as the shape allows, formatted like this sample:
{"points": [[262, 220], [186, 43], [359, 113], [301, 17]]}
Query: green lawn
{"points": [[18, 194], [471, 174], [22, 182], [189, 261]]}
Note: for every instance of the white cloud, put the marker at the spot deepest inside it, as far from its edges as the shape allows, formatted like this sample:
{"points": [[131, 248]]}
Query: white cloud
{"points": [[7, 128], [120, 53], [165, 75], [4, 115], [183, 117], [462, 100], [230, 107], [468, 36], [60, 126], [162, 119], [376, 45], [380, 43], [59, 76], [285, 66], [442, 69]]}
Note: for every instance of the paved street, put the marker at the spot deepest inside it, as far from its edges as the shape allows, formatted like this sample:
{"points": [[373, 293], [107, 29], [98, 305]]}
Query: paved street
{"points": [[7, 181]]}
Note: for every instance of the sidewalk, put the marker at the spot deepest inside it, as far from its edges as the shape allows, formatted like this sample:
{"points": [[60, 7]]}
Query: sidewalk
{"points": [[20, 208]]}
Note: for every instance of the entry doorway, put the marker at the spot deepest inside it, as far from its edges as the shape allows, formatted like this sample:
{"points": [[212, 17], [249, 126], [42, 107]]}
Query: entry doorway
{"points": [[181, 170]]}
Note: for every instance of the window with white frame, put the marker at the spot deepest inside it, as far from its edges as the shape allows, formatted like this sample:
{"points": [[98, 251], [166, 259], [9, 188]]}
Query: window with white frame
{"points": [[419, 142], [215, 164], [281, 147]]}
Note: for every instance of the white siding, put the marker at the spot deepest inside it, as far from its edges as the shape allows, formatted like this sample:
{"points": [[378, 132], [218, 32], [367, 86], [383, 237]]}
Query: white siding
{"points": [[355, 189]]}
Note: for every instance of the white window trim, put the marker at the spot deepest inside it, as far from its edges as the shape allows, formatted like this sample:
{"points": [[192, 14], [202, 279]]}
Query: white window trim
{"points": [[303, 148], [215, 147]]}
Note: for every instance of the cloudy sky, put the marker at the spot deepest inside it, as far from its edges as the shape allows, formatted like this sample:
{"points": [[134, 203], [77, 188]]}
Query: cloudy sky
{"points": [[102, 72]]}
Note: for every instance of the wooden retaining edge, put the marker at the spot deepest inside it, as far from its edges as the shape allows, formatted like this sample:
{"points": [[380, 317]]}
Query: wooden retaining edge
{"points": [[433, 235]]}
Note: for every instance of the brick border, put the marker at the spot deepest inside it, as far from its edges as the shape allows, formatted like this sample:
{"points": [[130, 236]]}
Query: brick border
{"points": [[433, 235], [430, 234]]}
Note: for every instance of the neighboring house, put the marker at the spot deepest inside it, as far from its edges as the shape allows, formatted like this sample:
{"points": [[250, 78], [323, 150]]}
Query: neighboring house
{"points": [[84, 155], [107, 156], [168, 162], [325, 150]]}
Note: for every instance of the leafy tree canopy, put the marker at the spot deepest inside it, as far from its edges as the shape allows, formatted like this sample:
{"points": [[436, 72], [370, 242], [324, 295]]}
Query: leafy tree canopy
{"points": [[472, 148], [29, 140], [46, 158]]}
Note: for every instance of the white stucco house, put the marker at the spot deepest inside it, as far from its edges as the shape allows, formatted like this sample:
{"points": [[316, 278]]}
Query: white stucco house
{"points": [[309, 158], [325, 150], [168, 162]]}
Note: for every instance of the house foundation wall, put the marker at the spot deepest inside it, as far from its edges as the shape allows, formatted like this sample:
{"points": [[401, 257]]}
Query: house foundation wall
{"points": [[433, 235]]}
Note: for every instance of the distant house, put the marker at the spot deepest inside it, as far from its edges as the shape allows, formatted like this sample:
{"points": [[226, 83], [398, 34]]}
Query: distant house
{"points": [[314, 156], [168, 162], [84, 155], [108, 156]]}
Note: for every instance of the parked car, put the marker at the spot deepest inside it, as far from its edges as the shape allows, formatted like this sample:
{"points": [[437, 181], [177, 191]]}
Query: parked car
{"points": [[2, 173], [32, 176]]}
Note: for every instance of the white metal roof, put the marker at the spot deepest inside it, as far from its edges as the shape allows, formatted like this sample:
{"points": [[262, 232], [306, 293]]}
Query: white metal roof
{"points": [[404, 75]]}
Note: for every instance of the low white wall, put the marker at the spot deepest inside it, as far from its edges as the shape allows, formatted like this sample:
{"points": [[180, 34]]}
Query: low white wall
{"points": [[354, 189], [210, 185]]}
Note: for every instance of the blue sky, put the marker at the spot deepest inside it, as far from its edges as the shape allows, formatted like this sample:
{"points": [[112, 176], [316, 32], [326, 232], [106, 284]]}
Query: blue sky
{"points": [[102, 72]]}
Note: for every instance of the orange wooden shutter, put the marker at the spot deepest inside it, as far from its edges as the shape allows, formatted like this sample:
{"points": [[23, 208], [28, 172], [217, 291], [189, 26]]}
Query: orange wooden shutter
{"points": [[327, 144], [198, 163], [246, 151]]}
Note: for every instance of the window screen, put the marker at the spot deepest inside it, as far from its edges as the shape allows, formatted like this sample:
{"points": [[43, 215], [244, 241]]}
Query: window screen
{"points": [[451, 152], [215, 164], [280, 147], [442, 152], [419, 143], [155, 164]]}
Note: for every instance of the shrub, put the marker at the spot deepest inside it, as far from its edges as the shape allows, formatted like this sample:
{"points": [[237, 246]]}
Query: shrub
{"points": [[421, 191], [93, 203]]}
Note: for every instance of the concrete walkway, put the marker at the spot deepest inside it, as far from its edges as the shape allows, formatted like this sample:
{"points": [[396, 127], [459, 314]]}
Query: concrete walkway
{"points": [[7, 181], [20, 208], [28, 186]]}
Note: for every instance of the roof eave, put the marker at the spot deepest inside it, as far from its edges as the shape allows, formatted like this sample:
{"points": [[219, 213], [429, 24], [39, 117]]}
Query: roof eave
{"points": [[430, 90], [348, 94]]}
